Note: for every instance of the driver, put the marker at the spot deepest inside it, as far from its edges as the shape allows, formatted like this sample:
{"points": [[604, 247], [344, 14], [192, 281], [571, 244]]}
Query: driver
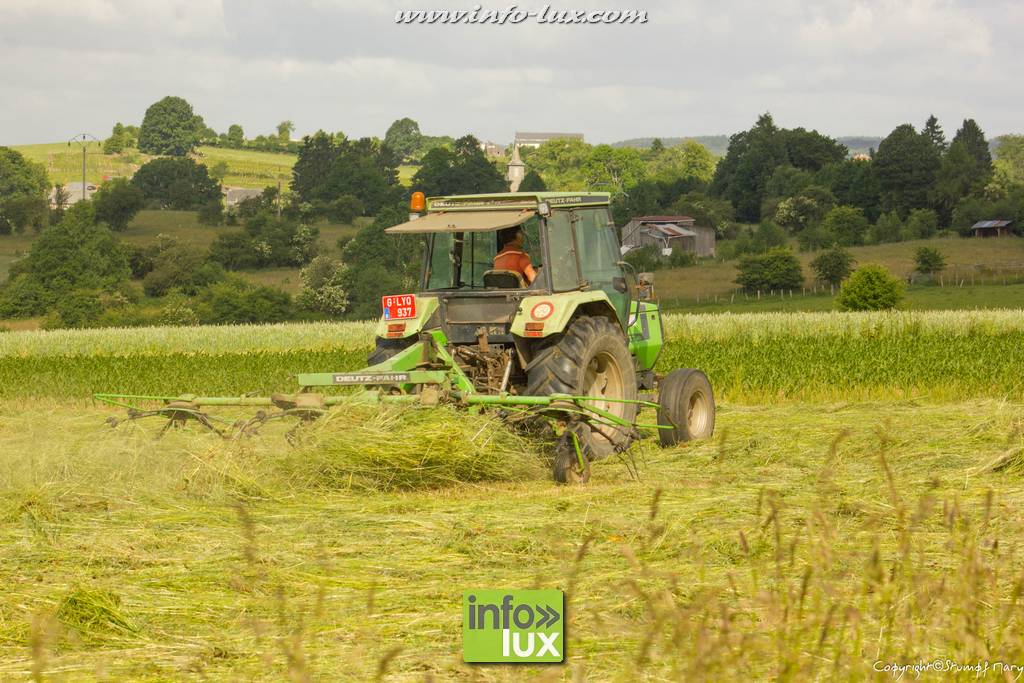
{"points": [[512, 256]]}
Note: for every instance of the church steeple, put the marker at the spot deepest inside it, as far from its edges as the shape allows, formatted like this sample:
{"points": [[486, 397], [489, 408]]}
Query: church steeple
{"points": [[516, 170]]}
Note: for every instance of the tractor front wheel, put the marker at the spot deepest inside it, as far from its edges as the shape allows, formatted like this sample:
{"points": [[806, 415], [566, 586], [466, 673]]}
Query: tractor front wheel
{"points": [[686, 407], [591, 358]]}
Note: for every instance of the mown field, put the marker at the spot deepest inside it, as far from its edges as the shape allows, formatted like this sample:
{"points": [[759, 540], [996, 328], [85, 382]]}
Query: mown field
{"points": [[860, 505]]}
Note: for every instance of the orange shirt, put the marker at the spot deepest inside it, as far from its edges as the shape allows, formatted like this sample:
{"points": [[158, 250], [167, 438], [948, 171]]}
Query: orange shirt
{"points": [[513, 259]]}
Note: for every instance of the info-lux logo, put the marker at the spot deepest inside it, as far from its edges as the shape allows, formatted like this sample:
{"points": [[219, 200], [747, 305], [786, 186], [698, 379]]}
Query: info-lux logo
{"points": [[513, 626]]}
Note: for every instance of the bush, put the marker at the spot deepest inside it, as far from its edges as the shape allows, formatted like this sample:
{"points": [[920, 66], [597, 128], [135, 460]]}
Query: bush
{"points": [[833, 266], [870, 288], [181, 267], [649, 258], [847, 225], [929, 261], [211, 213], [322, 288], [814, 238], [23, 297], [779, 268], [888, 228], [21, 212], [235, 301]]}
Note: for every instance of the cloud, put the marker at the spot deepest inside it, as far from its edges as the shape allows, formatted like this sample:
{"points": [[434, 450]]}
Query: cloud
{"points": [[696, 67]]}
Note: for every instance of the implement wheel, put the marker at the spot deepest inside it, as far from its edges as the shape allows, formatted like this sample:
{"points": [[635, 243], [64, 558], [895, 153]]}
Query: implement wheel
{"points": [[572, 466], [687, 406], [591, 358]]}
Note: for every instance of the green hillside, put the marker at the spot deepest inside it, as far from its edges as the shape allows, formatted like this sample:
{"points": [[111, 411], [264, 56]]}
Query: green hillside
{"points": [[246, 168]]}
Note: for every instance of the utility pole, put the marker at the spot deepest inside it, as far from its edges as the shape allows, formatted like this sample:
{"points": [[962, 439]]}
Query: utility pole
{"points": [[83, 140]]}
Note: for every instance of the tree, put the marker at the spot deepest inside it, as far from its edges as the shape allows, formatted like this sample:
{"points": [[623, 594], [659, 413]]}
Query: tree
{"points": [[183, 267], [532, 182], [118, 140], [798, 213], [19, 176], [404, 137], [613, 168], [922, 224], [236, 136], [870, 288], [847, 225], [116, 203], [688, 160], [958, 177], [23, 188], [170, 127], [657, 146], [779, 268], [176, 183], [933, 131], [378, 264], [77, 253], [559, 162], [929, 261], [906, 164], [285, 130], [462, 170], [971, 135], [854, 183], [833, 266], [753, 156]]}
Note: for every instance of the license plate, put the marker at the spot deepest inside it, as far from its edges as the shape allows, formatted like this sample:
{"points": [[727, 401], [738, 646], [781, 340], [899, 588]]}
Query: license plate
{"points": [[399, 306]]}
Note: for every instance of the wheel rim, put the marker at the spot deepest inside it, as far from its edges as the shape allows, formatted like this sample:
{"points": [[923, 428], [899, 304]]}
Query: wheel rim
{"points": [[698, 414], [603, 378]]}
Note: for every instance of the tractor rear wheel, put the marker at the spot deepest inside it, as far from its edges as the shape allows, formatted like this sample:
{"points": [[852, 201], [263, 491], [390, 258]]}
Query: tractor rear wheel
{"points": [[388, 348], [686, 407], [591, 358]]}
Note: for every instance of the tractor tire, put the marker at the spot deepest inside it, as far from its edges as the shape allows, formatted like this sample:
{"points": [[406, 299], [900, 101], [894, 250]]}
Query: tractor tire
{"points": [[686, 405], [590, 358], [387, 348], [567, 468]]}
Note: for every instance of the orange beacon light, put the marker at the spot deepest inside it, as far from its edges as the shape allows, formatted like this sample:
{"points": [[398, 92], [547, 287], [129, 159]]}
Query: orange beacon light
{"points": [[417, 203]]}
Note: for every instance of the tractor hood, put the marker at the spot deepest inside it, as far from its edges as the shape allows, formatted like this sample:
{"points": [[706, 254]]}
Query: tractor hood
{"points": [[462, 221]]}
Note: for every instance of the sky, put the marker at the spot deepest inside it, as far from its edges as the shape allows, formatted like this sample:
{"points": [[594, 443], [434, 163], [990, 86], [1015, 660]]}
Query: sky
{"points": [[696, 67]]}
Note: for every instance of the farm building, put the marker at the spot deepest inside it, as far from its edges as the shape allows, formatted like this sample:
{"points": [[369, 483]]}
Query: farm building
{"points": [[234, 195], [998, 228], [669, 232]]}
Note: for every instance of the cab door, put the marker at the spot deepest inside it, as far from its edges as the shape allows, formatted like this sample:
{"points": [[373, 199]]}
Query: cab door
{"points": [[598, 248]]}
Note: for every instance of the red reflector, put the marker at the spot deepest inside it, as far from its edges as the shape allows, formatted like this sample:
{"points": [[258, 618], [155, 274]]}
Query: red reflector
{"points": [[396, 327], [534, 333], [394, 335], [535, 326]]}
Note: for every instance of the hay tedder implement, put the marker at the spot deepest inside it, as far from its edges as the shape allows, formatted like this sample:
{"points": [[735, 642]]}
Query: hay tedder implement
{"points": [[561, 343]]}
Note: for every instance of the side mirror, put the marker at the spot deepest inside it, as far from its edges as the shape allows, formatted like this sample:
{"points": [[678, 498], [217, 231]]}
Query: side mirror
{"points": [[619, 283]]}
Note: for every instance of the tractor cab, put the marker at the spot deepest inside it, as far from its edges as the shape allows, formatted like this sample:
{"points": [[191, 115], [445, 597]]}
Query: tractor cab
{"points": [[486, 254]]}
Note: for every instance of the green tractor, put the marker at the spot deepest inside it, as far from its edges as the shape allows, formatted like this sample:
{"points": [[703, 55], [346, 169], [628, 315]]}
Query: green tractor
{"points": [[575, 330], [565, 342]]}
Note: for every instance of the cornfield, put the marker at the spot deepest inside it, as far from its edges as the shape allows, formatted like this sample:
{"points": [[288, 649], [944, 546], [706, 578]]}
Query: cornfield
{"points": [[749, 357]]}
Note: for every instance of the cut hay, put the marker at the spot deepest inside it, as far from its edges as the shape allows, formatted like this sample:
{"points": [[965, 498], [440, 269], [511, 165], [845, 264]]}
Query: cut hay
{"points": [[388, 449]]}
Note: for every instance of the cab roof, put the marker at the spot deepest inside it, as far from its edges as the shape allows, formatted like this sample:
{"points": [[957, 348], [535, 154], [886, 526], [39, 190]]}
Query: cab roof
{"points": [[516, 200]]}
